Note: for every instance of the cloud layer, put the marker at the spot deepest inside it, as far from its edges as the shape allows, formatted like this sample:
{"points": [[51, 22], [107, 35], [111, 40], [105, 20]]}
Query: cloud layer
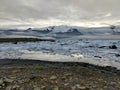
{"points": [[55, 12]]}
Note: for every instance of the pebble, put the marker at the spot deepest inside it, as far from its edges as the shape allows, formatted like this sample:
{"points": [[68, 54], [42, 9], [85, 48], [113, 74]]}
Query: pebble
{"points": [[43, 87], [56, 88], [15, 87], [8, 80], [53, 77], [1, 81], [83, 88], [37, 88], [9, 87], [66, 84], [12, 87], [73, 88]]}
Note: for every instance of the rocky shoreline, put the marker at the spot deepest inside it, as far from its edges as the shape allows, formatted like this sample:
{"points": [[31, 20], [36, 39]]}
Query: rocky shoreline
{"points": [[43, 75]]}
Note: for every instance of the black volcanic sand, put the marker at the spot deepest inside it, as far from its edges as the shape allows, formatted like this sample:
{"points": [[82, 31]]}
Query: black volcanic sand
{"points": [[43, 75]]}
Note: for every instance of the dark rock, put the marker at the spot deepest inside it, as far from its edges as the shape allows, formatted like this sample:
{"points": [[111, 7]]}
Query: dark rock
{"points": [[97, 56], [117, 55], [109, 68], [29, 29], [33, 77], [102, 47], [113, 47], [91, 46], [15, 42]]}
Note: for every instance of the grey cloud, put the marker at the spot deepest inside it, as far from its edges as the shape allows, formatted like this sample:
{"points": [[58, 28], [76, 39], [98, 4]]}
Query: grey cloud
{"points": [[70, 10]]}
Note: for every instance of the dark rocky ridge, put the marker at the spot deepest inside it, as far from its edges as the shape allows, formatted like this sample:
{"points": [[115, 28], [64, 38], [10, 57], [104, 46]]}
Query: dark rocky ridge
{"points": [[22, 62]]}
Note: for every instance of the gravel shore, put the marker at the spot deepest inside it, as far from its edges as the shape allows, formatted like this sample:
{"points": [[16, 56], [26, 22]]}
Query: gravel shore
{"points": [[40, 75]]}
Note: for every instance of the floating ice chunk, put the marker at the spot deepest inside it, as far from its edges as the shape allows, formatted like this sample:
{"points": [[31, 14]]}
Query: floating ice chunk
{"points": [[79, 56]]}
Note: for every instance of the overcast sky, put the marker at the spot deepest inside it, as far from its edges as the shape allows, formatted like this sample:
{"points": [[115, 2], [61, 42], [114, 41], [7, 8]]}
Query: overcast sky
{"points": [[40, 13]]}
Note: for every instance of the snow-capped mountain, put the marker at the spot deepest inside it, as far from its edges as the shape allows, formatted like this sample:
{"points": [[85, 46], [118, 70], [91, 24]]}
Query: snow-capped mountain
{"points": [[62, 30]]}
